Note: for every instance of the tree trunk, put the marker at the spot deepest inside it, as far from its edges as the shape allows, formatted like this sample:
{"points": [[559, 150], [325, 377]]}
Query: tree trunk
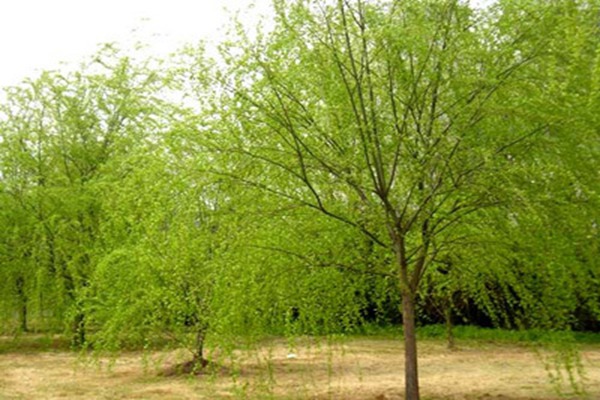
{"points": [[24, 327], [449, 326], [23, 300], [199, 351], [197, 365], [79, 338], [410, 347]]}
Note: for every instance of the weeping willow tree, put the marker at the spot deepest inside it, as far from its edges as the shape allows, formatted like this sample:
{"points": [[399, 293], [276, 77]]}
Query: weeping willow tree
{"points": [[184, 256], [401, 120], [536, 257], [59, 135], [117, 236]]}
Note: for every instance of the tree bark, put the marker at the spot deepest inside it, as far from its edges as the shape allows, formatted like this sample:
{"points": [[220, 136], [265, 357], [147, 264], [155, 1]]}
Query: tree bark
{"points": [[23, 300], [410, 347], [199, 351], [24, 327], [79, 338], [408, 291], [449, 326]]}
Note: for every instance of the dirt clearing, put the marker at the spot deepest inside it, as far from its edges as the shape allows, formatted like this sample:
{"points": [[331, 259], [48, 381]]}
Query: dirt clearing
{"points": [[354, 369]]}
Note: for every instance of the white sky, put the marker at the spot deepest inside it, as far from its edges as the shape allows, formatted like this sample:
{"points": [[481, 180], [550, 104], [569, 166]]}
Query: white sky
{"points": [[40, 34]]}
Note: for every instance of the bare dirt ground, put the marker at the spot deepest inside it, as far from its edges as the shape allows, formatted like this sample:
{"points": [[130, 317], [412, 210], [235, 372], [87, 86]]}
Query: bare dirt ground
{"points": [[362, 368]]}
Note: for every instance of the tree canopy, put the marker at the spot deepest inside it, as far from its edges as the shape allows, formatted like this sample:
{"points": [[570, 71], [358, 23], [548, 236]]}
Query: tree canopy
{"points": [[358, 162]]}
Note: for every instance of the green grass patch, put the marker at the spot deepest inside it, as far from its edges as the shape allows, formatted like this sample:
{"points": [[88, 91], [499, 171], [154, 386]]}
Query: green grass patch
{"points": [[475, 333], [32, 343], [478, 334]]}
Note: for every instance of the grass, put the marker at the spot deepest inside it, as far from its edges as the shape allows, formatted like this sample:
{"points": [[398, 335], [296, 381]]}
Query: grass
{"points": [[533, 336], [468, 333], [465, 333], [33, 343]]}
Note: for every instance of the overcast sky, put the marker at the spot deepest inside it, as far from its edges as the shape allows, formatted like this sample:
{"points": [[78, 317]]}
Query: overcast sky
{"points": [[39, 34]]}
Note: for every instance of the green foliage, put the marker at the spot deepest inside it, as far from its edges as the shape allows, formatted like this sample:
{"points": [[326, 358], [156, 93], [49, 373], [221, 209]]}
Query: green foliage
{"points": [[356, 155], [60, 135]]}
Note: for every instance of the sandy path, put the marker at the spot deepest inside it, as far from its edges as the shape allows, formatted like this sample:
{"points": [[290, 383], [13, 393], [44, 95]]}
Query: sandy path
{"points": [[356, 369]]}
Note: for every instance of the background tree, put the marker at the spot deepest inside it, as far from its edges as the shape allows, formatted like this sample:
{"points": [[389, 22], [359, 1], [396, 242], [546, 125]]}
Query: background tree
{"points": [[59, 134]]}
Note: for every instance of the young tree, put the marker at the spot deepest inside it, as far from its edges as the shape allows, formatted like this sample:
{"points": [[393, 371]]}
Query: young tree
{"points": [[401, 120]]}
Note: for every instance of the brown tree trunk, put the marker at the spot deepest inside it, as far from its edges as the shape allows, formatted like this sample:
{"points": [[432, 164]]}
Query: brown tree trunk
{"points": [[199, 352], [410, 347], [79, 338], [23, 300], [24, 327], [408, 290], [449, 326], [199, 362]]}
